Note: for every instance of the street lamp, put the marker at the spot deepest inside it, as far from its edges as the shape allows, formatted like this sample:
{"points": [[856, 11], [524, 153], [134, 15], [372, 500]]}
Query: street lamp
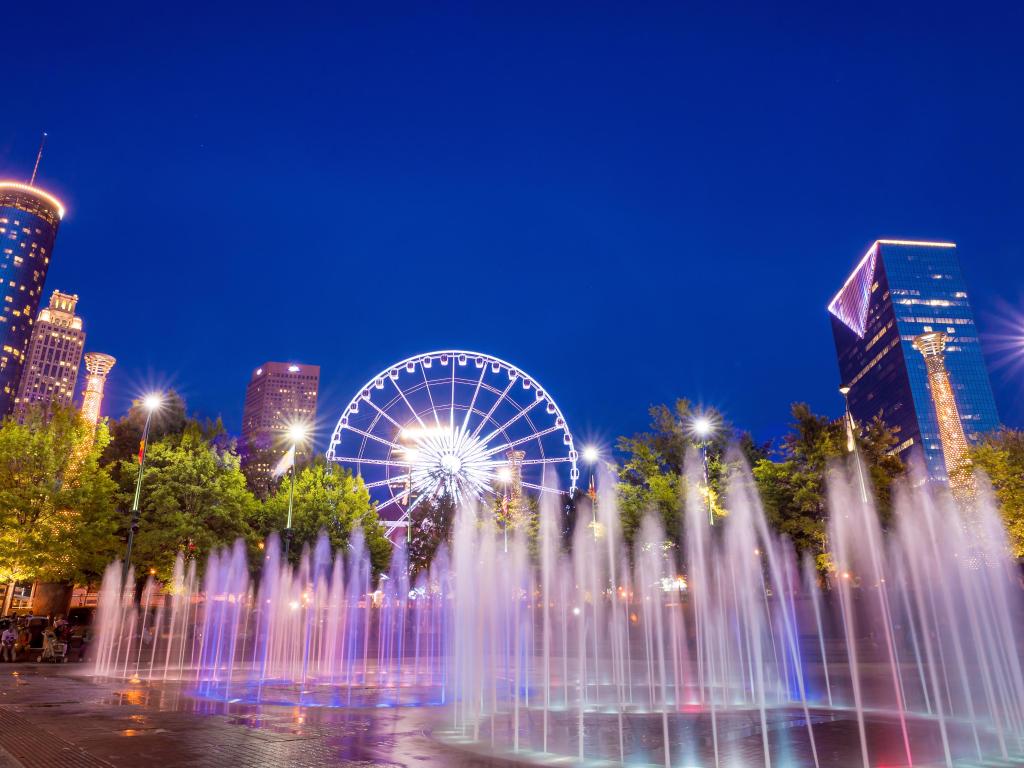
{"points": [[151, 404], [702, 428], [590, 456], [296, 435], [851, 441]]}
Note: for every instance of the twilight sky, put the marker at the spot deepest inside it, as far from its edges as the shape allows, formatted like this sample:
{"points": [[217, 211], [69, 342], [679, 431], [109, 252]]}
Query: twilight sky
{"points": [[631, 201]]}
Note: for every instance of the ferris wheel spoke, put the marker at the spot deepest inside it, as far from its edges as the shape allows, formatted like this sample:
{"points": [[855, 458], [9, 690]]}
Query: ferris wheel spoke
{"points": [[543, 488], [390, 481], [451, 412], [382, 412], [513, 443], [407, 403], [472, 402], [430, 396], [487, 418], [378, 438], [529, 462], [495, 432], [374, 462]]}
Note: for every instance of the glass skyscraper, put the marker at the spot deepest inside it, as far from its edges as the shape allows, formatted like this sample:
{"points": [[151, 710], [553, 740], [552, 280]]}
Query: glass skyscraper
{"points": [[900, 290], [29, 218]]}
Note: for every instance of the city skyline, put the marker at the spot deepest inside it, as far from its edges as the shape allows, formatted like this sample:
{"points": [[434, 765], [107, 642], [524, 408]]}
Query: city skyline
{"points": [[626, 224]]}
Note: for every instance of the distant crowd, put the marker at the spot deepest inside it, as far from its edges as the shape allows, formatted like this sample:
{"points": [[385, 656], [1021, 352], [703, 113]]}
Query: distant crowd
{"points": [[42, 639]]}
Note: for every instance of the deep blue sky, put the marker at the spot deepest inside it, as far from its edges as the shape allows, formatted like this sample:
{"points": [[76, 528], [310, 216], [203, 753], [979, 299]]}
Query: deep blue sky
{"points": [[631, 201]]}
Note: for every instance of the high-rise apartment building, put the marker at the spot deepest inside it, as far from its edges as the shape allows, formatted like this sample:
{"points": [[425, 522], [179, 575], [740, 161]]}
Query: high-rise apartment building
{"points": [[900, 290], [29, 219], [54, 354], [278, 395]]}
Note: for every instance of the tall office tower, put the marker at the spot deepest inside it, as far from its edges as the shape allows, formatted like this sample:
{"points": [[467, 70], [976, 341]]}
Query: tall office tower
{"points": [[54, 354], [278, 395], [97, 367], [29, 219], [955, 451], [900, 290]]}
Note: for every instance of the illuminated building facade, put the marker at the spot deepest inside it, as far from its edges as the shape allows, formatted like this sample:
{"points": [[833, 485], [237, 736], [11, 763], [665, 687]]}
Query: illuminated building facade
{"points": [[97, 367], [900, 290], [29, 219], [54, 355], [278, 395]]}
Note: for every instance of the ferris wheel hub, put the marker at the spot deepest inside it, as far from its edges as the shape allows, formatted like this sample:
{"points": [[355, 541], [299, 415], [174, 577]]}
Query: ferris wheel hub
{"points": [[451, 463]]}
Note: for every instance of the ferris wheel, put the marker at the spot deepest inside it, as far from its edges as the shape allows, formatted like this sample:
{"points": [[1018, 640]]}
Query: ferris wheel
{"points": [[453, 422]]}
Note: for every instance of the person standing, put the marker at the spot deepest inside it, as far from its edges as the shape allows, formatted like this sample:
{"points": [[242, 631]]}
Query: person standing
{"points": [[7, 641]]}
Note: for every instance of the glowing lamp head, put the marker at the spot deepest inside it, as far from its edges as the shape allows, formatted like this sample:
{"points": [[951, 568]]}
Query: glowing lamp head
{"points": [[297, 433], [702, 426], [590, 454], [505, 475], [152, 401], [844, 391]]}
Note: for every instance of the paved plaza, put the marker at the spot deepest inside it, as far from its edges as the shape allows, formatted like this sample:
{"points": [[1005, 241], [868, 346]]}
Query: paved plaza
{"points": [[56, 715], [52, 716]]}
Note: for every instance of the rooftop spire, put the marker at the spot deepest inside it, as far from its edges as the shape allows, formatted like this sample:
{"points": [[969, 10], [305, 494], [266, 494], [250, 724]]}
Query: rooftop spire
{"points": [[39, 157]]}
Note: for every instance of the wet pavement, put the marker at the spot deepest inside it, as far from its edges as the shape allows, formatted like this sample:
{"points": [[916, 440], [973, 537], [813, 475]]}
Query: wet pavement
{"points": [[54, 715]]}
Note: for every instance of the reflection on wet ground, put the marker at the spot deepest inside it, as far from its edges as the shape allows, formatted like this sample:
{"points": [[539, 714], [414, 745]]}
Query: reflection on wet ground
{"points": [[136, 723]]}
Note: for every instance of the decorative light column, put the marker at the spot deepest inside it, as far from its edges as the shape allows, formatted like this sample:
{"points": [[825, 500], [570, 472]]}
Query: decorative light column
{"points": [[955, 450], [97, 366]]}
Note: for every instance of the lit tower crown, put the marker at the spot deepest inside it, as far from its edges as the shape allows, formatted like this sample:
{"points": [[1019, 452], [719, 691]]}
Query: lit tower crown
{"points": [[955, 450], [97, 365]]}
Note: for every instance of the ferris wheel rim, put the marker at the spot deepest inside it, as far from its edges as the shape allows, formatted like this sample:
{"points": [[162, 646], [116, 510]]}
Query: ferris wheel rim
{"points": [[481, 360]]}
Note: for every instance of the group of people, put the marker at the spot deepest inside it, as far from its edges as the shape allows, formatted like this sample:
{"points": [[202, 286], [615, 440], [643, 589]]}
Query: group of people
{"points": [[39, 638]]}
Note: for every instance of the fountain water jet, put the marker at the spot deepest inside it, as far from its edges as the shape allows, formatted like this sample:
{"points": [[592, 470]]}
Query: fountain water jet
{"points": [[725, 650]]}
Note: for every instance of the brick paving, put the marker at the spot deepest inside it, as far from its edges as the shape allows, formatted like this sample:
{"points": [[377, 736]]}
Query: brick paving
{"points": [[50, 716], [54, 716]]}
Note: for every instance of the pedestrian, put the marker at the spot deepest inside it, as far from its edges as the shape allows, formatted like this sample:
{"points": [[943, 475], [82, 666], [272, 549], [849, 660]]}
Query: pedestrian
{"points": [[7, 641]]}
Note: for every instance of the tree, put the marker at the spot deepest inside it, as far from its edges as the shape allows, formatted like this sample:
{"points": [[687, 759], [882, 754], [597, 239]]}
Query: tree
{"points": [[651, 476], [57, 514], [330, 499], [793, 490], [430, 525], [1000, 455], [194, 499]]}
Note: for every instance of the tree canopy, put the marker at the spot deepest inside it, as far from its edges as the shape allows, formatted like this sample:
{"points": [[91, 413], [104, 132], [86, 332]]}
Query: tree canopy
{"points": [[331, 499], [57, 505], [1000, 455]]}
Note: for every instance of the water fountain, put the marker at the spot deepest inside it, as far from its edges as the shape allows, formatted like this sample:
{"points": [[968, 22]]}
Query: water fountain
{"points": [[904, 654]]}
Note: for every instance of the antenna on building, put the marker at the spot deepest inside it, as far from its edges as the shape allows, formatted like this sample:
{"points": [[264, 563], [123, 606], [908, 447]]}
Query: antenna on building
{"points": [[39, 157]]}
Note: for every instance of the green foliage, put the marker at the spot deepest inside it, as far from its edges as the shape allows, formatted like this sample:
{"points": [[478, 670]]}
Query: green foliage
{"points": [[1001, 456], [57, 513], [651, 476], [793, 488], [330, 499], [194, 499], [430, 526]]}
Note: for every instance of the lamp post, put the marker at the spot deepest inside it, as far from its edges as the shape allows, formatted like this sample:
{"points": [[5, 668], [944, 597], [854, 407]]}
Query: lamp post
{"points": [[151, 403], [851, 441], [590, 456], [702, 428], [296, 434]]}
